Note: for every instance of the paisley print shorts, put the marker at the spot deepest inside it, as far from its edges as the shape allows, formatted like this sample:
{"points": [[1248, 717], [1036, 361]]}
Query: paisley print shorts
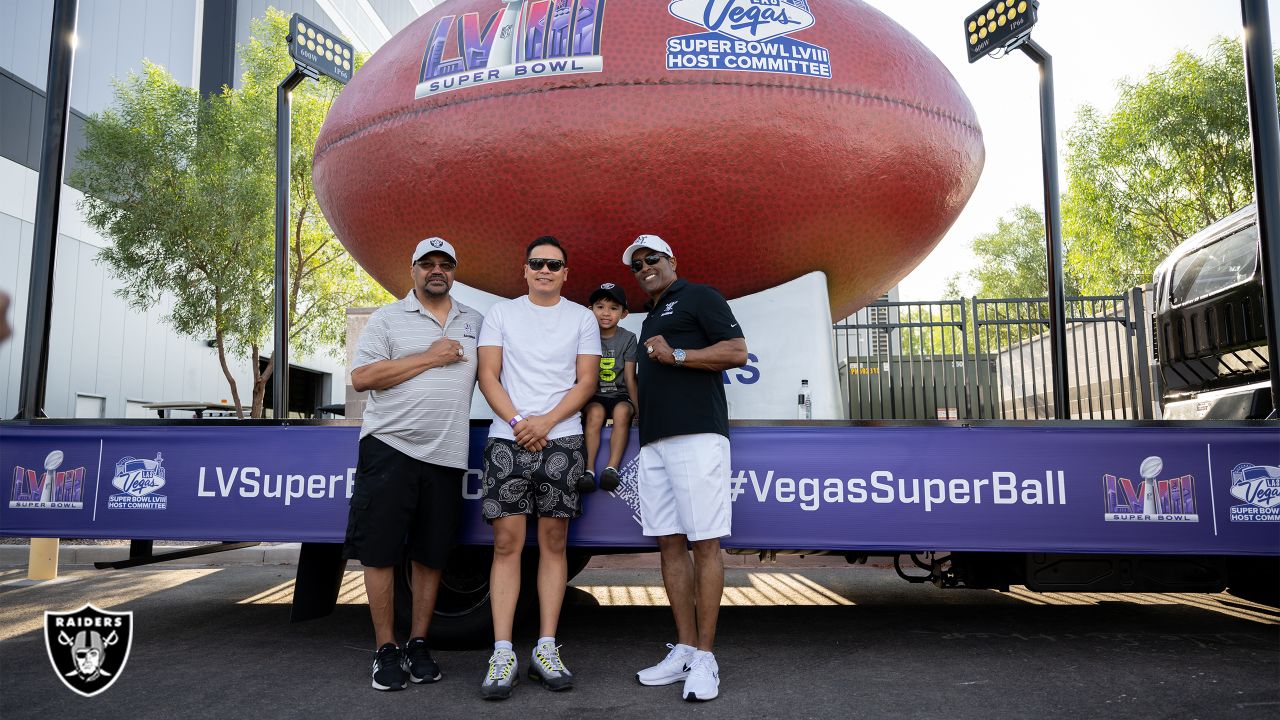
{"points": [[519, 482]]}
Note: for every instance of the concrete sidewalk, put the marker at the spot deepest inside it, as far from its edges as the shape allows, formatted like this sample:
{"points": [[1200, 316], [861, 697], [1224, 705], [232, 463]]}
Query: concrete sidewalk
{"points": [[217, 643], [75, 555], [70, 555]]}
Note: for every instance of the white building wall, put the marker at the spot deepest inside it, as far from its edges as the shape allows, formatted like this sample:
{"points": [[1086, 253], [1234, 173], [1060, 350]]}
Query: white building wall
{"points": [[114, 37], [397, 14], [24, 38], [98, 344]]}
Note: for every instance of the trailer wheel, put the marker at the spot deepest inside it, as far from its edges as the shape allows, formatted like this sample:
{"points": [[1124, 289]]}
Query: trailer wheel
{"points": [[463, 619], [1255, 578]]}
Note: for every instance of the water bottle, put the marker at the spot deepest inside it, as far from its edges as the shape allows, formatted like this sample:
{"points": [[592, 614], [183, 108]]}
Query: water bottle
{"points": [[804, 402]]}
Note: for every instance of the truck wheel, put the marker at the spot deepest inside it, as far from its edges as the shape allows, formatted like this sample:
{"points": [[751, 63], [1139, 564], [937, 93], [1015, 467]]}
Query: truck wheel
{"points": [[463, 619]]}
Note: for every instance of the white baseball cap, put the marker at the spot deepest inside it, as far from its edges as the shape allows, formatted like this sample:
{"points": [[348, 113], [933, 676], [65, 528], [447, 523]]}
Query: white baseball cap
{"points": [[434, 244], [653, 242]]}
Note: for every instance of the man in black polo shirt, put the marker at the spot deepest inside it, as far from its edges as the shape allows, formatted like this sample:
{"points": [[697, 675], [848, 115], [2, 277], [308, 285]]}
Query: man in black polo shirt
{"points": [[689, 336]]}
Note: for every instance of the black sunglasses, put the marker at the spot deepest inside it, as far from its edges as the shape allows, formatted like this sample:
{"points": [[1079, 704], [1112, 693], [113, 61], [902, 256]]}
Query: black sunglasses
{"points": [[539, 263], [445, 265], [649, 260]]}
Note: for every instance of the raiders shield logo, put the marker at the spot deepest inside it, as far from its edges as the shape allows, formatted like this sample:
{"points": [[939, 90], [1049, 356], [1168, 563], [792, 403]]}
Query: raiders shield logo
{"points": [[88, 647]]}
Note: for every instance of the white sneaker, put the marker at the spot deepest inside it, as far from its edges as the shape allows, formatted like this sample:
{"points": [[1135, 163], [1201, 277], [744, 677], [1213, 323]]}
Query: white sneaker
{"points": [[703, 682], [673, 668]]}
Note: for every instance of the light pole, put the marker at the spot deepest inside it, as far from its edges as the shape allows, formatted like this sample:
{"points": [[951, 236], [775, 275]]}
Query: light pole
{"points": [[1004, 25], [35, 345], [1264, 129], [1052, 229], [315, 52]]}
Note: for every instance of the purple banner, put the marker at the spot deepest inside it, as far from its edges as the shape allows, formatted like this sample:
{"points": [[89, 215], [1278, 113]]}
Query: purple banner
{"points": [[1150, 489]]}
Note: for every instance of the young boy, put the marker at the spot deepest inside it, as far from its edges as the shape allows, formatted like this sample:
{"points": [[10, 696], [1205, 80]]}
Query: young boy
{"points": [[616, 392]]}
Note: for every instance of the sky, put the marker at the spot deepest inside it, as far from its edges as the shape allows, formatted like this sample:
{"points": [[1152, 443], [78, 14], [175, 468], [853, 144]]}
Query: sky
{"points": [[1094, 44]]}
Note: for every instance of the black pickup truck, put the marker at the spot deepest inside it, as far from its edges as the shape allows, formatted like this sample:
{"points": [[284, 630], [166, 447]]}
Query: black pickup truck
{"points": [[1210, 325]]}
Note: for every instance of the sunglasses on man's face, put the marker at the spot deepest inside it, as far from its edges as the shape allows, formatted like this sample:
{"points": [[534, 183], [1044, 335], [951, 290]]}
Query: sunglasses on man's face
{"points": [[445, 265], [549, 263], [649, 260]]}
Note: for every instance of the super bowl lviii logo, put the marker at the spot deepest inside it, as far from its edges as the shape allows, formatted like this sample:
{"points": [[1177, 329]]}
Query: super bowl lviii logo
{"points": [[138, 479], [1151, 499], [1258, 487], [49, 487], [746, 36], [520, 39], [88, 647]]}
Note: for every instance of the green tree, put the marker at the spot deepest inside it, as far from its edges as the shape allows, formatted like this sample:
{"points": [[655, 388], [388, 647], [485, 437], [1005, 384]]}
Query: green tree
{"points": [[939, 328], [1171, 158], [184, 187], [1011, 259], [1011, 263]]}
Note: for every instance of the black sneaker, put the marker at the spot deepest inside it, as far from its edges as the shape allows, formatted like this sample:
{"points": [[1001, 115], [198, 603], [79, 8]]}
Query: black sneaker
{"points": [[609, 480], [422, 667], [389, 668], [587, 483]]}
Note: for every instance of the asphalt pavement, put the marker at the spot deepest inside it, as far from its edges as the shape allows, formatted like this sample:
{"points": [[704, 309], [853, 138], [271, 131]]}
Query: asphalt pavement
{"points": [[795, 642]]}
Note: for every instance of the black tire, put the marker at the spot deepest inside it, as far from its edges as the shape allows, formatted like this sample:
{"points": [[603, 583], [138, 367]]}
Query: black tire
{"points": [[578, 559], [463, 619], [1255, 578]]}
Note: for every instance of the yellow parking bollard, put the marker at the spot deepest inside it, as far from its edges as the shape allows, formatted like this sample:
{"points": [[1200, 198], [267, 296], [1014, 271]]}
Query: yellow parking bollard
{"points": [[42, 561]]}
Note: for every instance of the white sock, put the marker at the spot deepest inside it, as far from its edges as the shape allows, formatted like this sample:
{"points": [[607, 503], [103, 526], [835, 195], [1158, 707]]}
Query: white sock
{"points": [[543, 640], [502, 645]]}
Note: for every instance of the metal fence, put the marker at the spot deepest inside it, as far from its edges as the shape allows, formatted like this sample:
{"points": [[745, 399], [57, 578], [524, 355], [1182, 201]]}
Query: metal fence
{"points": [[989, 358]]}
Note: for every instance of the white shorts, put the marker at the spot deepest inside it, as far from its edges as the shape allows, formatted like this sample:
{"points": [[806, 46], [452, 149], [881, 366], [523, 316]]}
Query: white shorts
{"points": [[684, 486]]}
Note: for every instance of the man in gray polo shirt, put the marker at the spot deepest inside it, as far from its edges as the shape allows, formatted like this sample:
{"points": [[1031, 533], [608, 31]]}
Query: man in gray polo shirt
{"points": [[417, 359]]}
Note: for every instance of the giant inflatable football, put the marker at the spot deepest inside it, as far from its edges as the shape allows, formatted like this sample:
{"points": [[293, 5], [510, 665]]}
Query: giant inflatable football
{"points": [[763, 139]]}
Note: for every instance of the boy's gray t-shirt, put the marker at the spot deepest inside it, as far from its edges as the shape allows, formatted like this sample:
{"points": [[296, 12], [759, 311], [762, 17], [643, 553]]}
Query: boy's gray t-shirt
{"points": [[615, 352]]}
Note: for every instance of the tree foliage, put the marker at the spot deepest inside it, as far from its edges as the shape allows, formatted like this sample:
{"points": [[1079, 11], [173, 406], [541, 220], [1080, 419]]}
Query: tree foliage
{"points": [[184, 187], [1011, 263], [1011, 259], [1171, 158]]}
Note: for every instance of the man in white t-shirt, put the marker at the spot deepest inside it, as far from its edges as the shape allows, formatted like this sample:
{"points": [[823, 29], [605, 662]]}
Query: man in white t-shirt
{"points": [[538, 359]]}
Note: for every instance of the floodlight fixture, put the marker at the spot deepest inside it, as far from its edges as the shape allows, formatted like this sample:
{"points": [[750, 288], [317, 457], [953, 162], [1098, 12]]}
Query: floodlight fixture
{"points": [[320, 51], [999, 25], [315, 52], [1004, 25]]}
